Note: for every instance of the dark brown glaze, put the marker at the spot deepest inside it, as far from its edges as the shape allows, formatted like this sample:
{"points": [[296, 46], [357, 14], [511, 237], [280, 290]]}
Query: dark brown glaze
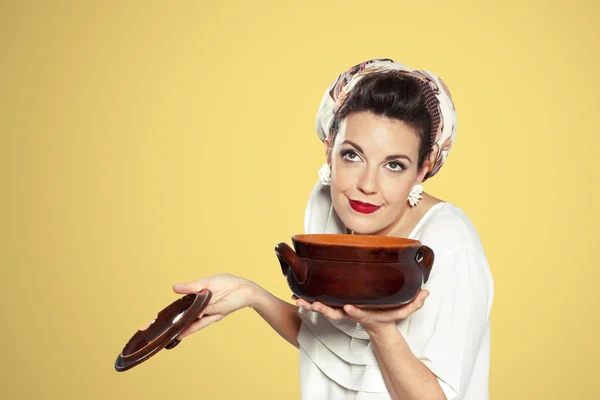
{"points": [[366, 271], [163, 331]]}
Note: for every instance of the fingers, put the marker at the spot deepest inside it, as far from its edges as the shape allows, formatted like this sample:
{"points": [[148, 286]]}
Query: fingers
{"points": [[218, 307], [328, 312], [191, 287], [304, 304], [420, 299], [354, 312], [413, 306], [200, 324], [366, 316]]}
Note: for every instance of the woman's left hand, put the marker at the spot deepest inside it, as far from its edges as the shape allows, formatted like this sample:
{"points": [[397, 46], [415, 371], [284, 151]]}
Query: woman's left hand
{"points": [[371, 320]]}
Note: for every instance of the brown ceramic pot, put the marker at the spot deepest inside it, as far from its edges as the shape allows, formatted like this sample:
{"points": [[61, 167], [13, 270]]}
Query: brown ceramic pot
{"points": [[363, 270]]}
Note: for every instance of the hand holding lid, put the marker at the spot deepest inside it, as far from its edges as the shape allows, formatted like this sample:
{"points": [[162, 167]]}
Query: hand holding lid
{"points": [[206, 301], [230, 293]]}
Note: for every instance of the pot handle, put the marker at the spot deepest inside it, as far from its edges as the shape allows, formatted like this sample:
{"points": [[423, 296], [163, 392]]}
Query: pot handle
{"points": [[288, 258], [425, 259]]}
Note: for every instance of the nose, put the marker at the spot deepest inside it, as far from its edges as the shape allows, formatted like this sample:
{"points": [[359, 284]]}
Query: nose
{"points": [[367, 182]]}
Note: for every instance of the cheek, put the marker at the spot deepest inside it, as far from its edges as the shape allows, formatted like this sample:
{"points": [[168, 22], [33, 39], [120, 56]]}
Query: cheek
{"points": [[395, 189], [344, 177]]}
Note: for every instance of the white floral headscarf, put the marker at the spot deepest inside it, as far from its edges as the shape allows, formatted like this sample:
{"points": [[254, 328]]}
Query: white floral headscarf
{"points": [[320, 217], [443, 109]]}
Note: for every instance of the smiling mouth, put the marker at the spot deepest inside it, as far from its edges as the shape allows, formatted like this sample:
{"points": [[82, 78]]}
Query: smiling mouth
{"points": [[363, 208]]}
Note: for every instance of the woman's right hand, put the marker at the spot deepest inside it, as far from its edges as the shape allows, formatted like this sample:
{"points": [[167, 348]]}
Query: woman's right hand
{"points": [[229, 293]]}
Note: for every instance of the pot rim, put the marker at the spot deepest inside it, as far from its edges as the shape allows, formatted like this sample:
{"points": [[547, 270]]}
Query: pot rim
{"points": [[354, 241]]}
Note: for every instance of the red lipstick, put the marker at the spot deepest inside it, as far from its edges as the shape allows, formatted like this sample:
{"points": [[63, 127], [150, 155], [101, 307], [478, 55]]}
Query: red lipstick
{"points": [[364, 208]]}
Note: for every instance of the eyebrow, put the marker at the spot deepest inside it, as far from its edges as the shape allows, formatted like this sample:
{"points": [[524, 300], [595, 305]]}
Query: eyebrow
{"points": [[388, 158]]}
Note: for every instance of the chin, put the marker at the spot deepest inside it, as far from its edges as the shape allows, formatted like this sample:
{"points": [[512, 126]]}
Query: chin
{"points": [[362, 232], [360, 226]]}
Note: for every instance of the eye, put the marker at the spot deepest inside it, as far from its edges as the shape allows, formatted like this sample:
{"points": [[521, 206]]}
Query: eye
{"points": [[350, 156], [396, 167]]}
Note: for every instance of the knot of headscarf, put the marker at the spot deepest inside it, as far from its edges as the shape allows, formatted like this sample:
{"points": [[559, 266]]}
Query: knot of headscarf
{"points": [[320, 217]]}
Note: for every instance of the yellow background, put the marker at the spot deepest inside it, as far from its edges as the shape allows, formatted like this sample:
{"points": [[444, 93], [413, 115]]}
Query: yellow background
{"points": [[149, 143]]}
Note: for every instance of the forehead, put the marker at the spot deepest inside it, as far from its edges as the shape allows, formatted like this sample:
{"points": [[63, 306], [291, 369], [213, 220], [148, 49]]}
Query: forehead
{"points": [[378, 134]]}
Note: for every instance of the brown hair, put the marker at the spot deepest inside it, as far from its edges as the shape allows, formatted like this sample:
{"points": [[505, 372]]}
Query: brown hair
{"points": [[392, 95]]}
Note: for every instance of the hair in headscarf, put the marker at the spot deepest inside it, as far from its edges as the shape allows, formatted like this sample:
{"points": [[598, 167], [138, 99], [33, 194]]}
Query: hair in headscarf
{"points": [[438, 103], [320, 217]]}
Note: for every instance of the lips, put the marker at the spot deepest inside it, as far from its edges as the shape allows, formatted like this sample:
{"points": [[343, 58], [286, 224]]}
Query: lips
{"points": [[364, 208]]}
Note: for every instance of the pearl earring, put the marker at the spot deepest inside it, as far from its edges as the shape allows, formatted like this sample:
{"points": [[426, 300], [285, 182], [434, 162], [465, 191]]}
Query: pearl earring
{"points": [[415, 195], [325, 174]]}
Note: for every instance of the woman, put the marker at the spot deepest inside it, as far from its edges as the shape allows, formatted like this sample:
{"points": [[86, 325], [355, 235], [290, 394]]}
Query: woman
{"points": [[386, 129]]}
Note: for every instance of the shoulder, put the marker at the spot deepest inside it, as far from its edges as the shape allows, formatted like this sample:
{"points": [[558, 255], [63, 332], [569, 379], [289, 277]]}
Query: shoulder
{"points": [[460, 263], [447, 228]]}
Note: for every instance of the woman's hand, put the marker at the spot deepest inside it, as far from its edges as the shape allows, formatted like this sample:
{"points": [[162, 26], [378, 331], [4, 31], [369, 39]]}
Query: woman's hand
{"points": [[373, 321], [229, 293]]}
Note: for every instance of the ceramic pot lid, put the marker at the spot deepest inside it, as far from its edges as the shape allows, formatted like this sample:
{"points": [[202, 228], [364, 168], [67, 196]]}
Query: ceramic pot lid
{"points": [[163, 331]]}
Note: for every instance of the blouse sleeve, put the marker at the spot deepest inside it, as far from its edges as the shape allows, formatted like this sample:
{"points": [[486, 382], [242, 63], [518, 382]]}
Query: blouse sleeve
{"points": [[450, 333]]}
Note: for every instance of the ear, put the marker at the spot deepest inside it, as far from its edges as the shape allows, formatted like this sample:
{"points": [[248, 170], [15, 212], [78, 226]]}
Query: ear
{"points": [[327, 144], [424, 171]]}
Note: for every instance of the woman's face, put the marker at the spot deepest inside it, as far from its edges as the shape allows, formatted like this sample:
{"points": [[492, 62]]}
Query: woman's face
{"points": [[373, 169]]}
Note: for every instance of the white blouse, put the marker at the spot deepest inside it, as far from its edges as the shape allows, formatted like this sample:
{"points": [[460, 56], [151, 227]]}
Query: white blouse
{"points": [[450, 334]]}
